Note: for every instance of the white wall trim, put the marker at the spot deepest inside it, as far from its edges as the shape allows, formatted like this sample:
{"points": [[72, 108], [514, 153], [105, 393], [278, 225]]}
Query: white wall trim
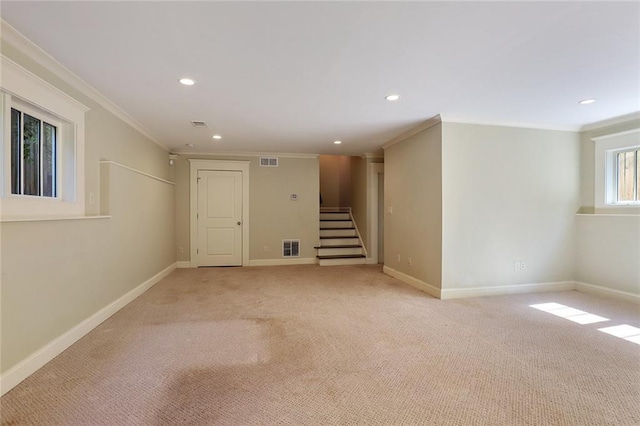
{"points": [[419, 128], [607, 292], [39, 358], [611, 121], [282, 262], [137, 171], [16, 39], [456, 293], [230, 165], [184, 264], [247, 154], [414, 282]]}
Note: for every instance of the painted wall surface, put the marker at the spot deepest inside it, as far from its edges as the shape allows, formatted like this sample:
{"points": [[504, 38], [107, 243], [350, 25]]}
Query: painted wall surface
{"points": [[509, 194], [608, 251], [55, 274], [359, 197], [335, 180], [273, 216], [413, 190]]}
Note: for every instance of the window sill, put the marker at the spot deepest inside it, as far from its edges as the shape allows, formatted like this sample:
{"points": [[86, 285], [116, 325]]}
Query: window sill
{"points": [[50, 218]]}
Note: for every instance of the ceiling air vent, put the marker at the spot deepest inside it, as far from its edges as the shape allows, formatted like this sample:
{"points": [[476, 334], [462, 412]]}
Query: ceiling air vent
{"points": [[290, 248], [268, 161], [198, 123]]}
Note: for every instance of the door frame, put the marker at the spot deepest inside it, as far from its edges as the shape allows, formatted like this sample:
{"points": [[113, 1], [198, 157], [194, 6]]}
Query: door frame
{"points": [[374, 170], [217, 165]]}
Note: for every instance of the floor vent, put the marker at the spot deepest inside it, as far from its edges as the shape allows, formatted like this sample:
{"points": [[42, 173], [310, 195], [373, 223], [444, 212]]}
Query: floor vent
{"points": [[290, 248], [198, 124], [268, 161]]}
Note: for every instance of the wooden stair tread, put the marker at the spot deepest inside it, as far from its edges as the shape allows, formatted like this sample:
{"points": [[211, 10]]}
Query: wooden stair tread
{"points": [[342, 246], [342, 256], [335, 220]]}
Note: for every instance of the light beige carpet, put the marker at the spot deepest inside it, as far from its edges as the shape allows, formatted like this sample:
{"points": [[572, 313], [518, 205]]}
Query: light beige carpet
{"points": [[314, 345]]}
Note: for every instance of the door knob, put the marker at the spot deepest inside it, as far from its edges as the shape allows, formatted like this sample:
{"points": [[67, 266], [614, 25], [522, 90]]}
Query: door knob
{"points": [[239, 223]]}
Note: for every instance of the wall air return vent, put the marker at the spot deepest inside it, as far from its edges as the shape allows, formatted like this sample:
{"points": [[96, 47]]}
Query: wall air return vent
{"points": [[268, 161], [290, 248], [198, 123]]}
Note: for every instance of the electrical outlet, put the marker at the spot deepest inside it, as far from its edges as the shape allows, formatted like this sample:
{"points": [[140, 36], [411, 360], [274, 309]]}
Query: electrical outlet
{"points": [[390, 210], [398, 258], [519, 265], [523, 265], [410, 262], [265, 249], [516, 266], [180, 249]]}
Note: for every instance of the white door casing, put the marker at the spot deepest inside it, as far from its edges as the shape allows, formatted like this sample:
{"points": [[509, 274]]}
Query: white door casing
{"points": [[375, 169], [242, 168], [219, 218]]}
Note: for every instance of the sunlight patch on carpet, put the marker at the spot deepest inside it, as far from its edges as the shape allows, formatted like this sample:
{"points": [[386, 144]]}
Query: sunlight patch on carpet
{"points": [[567, 312]]}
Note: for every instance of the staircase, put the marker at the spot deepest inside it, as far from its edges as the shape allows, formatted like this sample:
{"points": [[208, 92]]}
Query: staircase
{"points": [[339, 240]]}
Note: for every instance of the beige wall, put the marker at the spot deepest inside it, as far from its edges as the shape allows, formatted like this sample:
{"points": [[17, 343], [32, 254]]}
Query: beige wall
{"points": [[335, 180], [273, 216], [359, 197], [413, 189], [360, 192], [608, 251], [55, 274], [509, 194]]}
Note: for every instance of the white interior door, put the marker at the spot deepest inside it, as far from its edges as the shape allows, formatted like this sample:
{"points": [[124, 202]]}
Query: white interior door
{"points": [[219, 218]]}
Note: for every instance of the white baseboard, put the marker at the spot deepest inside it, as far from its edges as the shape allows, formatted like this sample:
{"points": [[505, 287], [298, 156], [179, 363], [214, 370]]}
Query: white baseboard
{"points": [[281, 262], [414, 282], [607, 292], [183, 264], [36, 360], [457, 293]]}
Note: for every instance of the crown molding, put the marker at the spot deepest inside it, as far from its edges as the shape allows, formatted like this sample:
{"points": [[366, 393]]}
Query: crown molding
{"points": [[611, 122], [246, 154], [519, 125], [419, 128], [34, 52]]}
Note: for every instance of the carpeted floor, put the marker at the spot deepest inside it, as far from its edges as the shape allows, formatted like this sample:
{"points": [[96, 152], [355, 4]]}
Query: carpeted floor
{"points": [[314, 345]]}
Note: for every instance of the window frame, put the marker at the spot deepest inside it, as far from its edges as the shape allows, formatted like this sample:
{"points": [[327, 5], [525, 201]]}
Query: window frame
{"points": [[24, 91], [607, 148], [44, 117]]}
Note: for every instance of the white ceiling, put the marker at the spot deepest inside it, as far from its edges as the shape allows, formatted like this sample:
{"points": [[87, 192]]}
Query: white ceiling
{"points": [[294, 76]]}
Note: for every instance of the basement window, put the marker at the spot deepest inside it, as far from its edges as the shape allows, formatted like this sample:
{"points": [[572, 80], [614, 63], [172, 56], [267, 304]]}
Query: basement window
{"points": [[42, 153], [617, 170]]}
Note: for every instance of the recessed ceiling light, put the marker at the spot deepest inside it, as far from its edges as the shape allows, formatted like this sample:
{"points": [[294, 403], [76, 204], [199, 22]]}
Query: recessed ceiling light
{"points": [[217, 137], [187, 81], [392, 97], [190, 145], [337, 142], [587, 101]]}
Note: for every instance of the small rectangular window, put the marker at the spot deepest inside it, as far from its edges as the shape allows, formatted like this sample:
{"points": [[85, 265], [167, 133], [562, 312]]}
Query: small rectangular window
{"points": [[33, 155], [627, 176]]}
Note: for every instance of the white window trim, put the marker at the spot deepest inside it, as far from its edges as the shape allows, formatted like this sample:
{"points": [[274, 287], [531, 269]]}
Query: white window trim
{"points": [[606, 149], [19, 86]]}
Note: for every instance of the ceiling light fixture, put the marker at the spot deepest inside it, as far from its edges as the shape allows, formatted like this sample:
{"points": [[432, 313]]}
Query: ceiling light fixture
{"points": [[217, 137], [187, 81], [337, 142], [190, 145], [392, 97], [587, 101]]}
